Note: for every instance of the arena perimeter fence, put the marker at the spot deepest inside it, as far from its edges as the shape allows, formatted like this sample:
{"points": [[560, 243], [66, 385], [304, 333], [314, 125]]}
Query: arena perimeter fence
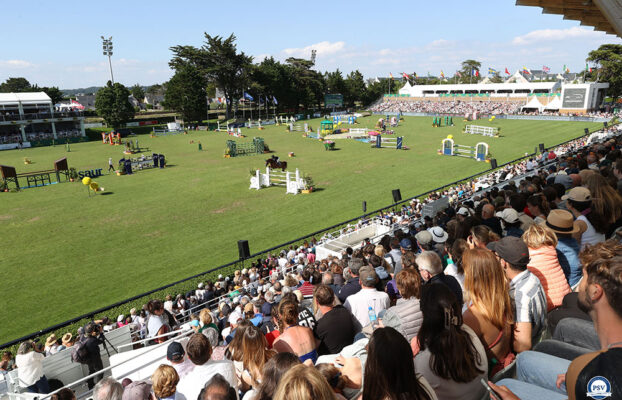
{"points": [[190, 283]]}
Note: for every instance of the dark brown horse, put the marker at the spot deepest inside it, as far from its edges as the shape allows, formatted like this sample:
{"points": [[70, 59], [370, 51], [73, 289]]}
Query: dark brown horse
{"points": [[274, 164]]}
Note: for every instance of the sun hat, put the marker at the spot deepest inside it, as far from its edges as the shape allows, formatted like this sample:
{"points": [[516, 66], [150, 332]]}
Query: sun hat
{"points": [[438, 234], [561, 221], [67, 337], [200, 285], [509, 215], [424, 237], [234, 317], [120, 318], [50, 340], [579, 193], [512, 249]]}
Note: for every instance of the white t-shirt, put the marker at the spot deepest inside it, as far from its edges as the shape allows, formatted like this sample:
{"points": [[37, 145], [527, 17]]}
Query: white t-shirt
{"points": [[154, 323], [452, 270], [29, 368], [359, 303], [190, 386], [590, 236]]}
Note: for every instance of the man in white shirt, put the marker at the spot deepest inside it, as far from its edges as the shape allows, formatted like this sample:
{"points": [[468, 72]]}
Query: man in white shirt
{"points": [[358, 304], [176, 356], [199, 352]]}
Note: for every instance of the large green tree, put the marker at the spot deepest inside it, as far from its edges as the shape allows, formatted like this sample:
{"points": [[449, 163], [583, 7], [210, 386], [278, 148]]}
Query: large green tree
{"points": [[15, 85], [608, 60], [186, 94], [138, 92], [309, 85], [113, 105], [468, 66], [355, 84], [218, 62]]}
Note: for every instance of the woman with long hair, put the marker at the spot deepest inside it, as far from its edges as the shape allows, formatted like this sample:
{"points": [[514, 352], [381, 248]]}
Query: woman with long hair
{"points": [[544, 263], [274, 369], [455, 267], [157, 323], [389, 370], [592, 225], [606, 201], [489, 313], [294, 338], [480, 236], [450, 355], [303, 383], [538, 207], [255, 354]]}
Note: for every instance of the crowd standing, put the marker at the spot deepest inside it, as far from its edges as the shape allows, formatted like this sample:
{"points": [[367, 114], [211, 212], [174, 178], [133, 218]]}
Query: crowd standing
{"points": [[526, 274]]}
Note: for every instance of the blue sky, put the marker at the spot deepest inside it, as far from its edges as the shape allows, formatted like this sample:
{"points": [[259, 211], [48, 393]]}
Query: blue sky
{"points": [[59, 44]]}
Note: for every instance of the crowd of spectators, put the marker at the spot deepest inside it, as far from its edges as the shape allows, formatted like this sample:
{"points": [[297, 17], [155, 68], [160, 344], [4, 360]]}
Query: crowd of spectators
{"points": [[526, 274], [457, 107], [16, 136]]}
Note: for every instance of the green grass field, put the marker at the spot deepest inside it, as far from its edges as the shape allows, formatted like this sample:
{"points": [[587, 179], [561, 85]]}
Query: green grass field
{"points": [[65, 253]]}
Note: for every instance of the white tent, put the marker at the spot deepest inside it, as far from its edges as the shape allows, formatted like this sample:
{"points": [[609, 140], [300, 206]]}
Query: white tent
{"points": [[533, 103], [556, 104], [516, 78]]}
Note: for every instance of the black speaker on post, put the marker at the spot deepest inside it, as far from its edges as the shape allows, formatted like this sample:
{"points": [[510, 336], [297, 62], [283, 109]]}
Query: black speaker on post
{"points": [[364, 206], [541, 147], [605, 124], [493, 163], [243, 249], [397, 195], [587, 131]]}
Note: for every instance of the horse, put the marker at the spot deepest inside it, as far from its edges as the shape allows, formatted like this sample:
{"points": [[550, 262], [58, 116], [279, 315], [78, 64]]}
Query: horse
{"points": [[274, 164]]}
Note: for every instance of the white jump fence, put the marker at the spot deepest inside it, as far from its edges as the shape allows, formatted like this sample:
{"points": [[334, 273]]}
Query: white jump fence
{"points": [[292, 181], [298, 127], [482, 130]]}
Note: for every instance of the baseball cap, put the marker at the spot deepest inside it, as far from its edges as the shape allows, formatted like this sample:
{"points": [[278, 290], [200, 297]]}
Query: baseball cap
{"points": [[234, 317], [175, 352], [512, 249], [509, 215], [368, 276], [578, 194], [406, 244], [463, 211], [424, 237]]}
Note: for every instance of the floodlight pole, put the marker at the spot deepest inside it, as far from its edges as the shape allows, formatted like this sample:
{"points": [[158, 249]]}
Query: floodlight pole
{"points": [[110, 64], [107, 51]]}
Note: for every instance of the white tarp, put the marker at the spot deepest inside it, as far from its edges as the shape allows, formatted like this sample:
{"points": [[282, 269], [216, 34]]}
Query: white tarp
{"points": [[556, 104], [533, 103]]}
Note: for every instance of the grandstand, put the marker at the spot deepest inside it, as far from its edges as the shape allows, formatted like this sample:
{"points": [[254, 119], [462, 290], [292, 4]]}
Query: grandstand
{"points": [[29, 119]]}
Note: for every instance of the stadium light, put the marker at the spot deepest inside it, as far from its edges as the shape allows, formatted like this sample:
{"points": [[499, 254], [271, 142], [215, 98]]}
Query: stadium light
{"points": [[107, 51]]}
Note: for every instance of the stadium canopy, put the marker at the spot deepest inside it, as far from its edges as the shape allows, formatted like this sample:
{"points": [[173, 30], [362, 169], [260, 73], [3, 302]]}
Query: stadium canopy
{"points": [[496, 89], [7, 99], [603, 15], [555, 104], [533, 104]]}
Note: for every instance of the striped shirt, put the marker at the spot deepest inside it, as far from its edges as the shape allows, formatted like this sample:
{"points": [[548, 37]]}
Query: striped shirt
{"points": [[529, 302]]}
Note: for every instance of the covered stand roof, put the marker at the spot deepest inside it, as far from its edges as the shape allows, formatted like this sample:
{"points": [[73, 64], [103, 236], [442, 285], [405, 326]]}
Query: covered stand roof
{"points": [[25, 98]]}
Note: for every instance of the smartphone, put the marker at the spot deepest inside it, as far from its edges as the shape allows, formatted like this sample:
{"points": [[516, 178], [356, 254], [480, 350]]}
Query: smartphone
{"points": [[490, 390]]}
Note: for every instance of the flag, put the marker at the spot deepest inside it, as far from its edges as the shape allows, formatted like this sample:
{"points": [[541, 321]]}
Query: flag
{"points": [[390, 75], [526, 71], [274, 100], [546, 69], [477, 72], [415, 74], [459, 74], [492, 71], [474, 72], [77, 105], [587, 68], [506, 71], [566, 70], [442, 74], [405, 75], [248, 96]]}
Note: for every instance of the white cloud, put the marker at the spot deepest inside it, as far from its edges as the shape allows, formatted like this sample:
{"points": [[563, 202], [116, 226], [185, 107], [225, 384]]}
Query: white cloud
{"points": [[17, 64], [323, 48], [541, 35]]}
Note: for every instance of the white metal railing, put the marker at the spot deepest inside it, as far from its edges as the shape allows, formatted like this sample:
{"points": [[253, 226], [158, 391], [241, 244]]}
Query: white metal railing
{"points": [[180, 331]]}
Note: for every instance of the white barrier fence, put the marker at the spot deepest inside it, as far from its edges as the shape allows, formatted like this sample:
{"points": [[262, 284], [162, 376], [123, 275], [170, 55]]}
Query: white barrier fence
{"points": [[482, 130], [292, 181], [298, 128]]}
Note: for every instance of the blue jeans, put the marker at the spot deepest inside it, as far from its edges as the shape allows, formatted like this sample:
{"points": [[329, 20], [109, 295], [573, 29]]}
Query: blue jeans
{"points": [[40, 386], [537, 373]]}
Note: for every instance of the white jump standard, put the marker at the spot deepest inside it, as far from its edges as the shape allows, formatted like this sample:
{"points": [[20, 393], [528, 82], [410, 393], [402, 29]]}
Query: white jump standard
{"points": [[292, 181]]}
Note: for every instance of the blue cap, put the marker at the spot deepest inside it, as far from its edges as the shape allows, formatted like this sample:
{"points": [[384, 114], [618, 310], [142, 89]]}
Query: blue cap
{"points": [[406, 244]]}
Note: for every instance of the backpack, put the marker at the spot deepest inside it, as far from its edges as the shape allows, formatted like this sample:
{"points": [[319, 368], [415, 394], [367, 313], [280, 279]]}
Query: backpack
{"points": [[80, 353]]}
